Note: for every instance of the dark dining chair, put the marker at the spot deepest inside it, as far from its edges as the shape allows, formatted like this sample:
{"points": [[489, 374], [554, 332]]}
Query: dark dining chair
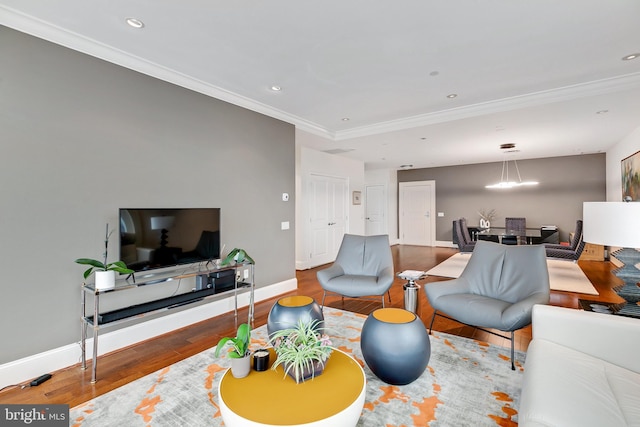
{"points": [[515, 224], [571, 252], [465, 243]]}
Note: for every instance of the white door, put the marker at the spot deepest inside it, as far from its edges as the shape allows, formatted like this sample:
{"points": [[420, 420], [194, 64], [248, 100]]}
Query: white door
{"points": [[328, 217], [417, 222], [375, 218]]}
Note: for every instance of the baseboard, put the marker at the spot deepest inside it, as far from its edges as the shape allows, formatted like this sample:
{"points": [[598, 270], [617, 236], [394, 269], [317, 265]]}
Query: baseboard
{"points": [[446, 244], [27, 368]]}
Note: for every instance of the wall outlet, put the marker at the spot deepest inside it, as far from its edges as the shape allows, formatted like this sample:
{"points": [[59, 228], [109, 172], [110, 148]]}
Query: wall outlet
{"points": [[284, 225], [246, 273]]}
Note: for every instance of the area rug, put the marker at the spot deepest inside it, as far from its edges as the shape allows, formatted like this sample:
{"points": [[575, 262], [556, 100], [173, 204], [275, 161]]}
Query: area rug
{"points": [[467, 383], [563, 275]]}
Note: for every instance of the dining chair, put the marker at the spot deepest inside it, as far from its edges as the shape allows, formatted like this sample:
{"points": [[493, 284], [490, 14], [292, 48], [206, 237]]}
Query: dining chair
{"points": [[515, 224]]}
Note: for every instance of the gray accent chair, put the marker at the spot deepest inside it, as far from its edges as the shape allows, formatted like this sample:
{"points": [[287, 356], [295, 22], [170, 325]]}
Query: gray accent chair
{"points": [[363, 267], [571, 252], [497, 289]]}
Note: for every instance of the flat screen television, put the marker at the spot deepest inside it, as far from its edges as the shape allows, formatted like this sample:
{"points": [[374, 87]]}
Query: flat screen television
{"points": [[157, 238]]}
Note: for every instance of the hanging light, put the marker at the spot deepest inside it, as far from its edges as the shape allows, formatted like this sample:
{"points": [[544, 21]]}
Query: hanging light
{"points": [[504, 178]]}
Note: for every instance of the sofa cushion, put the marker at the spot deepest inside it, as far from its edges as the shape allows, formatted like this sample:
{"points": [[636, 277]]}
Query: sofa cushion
{"points": [[565, 387]]}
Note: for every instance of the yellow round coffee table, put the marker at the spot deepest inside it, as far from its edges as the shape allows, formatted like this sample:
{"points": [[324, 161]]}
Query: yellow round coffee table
{"points": [[269, 398]]}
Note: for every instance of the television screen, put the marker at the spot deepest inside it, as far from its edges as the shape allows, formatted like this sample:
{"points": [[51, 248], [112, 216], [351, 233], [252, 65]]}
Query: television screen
{"points": [[156, 238]]}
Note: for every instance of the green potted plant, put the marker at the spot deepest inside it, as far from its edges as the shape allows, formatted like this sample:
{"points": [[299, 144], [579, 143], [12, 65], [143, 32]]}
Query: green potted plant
{"points": [[238, 255], [239, 352], [105, 273], [302, 350]]}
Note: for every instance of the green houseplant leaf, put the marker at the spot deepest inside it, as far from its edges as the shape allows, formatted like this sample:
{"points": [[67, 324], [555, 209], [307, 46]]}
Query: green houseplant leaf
{"points": [[237, 255], [239, 343], [118, 266], [300, 348]]}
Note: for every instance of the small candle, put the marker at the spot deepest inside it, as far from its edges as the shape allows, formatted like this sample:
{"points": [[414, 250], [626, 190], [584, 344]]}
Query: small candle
{"points": [[261, 360]]}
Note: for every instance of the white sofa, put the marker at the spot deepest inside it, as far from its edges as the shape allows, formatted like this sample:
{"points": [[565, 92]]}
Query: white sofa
{"points": [[582, 369]]}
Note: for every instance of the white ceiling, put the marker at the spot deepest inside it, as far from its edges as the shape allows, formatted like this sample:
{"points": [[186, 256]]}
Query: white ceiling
{"points": [[533, 73]]}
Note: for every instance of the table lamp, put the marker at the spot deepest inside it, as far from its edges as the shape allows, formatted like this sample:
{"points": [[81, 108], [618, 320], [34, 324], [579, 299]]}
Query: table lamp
{"points": [[162, 223], [618, 224]]}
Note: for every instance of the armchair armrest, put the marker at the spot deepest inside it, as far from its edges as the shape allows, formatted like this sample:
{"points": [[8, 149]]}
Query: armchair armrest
{"points": [[329, 273], [435, 290], [386, 275], [615, 339], [519, 314]]}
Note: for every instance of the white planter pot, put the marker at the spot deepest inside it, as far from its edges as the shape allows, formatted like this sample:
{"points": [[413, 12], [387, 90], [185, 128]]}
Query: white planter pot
{"points": [[240, 367], [105, 280]]}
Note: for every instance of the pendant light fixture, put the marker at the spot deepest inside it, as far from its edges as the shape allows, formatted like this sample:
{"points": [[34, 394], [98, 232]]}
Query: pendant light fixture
{"points": [[504, 176]]}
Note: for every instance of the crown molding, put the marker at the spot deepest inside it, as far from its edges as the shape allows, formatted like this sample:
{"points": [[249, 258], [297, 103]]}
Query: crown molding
{"points": [[47, 31], [594, 88]]}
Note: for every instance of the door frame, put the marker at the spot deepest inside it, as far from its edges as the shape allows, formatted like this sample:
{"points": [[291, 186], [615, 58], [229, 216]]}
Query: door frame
{"points": [[432, 215]]}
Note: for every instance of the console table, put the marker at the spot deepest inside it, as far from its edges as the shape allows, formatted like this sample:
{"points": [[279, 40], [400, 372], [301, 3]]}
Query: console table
{"points": [[234, 282]]}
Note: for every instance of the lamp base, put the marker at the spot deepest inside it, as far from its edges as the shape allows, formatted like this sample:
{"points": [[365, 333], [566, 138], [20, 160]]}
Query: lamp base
{"points": [[630, 274], [629, 310]]}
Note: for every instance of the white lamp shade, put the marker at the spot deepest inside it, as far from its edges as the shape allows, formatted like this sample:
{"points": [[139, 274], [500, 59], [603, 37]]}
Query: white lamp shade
{"points": [[160, 222], [612, 223]]}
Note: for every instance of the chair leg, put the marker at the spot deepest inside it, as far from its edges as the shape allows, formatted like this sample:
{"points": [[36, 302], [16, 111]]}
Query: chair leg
{"points": [[382, 300], [324, 295], [432, 319], [513, 366], [389, 293]]}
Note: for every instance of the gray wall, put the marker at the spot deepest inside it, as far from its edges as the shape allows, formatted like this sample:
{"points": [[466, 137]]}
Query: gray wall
{"points": [[80, 138], [565, 182]]}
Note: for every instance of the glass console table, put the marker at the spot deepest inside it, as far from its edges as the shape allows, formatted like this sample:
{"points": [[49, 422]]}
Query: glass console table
{"points": [[237, 278]]}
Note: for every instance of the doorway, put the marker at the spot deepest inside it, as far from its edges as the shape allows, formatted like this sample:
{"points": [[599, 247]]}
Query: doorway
{"points": [[375, 211], [416, 213], [328, 204]]}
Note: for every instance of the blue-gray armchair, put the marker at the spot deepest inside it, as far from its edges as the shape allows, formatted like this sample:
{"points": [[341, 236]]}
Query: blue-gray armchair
{"points": [[497, 289], [363, 267]]}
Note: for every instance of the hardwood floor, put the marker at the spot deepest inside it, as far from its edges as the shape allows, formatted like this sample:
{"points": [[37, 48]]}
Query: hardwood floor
{"points": [[72, 386]]}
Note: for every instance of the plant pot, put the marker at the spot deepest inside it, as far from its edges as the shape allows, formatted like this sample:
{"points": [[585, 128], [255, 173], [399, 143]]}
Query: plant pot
{"points": [[105, 280], [240, 367], [311, 371]]}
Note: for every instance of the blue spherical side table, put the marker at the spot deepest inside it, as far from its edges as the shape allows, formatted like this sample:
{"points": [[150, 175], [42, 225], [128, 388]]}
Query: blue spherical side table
{"points": [[287, 312], [395, 345]]}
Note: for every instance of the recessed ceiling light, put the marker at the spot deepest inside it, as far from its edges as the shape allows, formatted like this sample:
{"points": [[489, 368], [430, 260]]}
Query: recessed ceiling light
{"points": [[452, 95], [276, 88], [135, 23], [345, 119], [630, 57], [434, 73], [602, 112], [405, 166]]}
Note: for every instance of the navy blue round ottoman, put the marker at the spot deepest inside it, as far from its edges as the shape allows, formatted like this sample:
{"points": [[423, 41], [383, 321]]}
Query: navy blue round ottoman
{"points": [[287, 312], [395, 345]]}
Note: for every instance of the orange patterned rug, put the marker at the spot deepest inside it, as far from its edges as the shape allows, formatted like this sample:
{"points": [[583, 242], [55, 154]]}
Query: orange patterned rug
{"points": [[467, 383]]}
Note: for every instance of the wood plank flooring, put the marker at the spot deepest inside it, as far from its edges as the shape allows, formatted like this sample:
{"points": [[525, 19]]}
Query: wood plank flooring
{"points": [[72, 385]]}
